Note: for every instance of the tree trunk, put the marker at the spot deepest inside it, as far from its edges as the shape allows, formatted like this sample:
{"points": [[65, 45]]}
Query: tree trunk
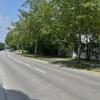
{"points": [[59, 52], [17, 46], [88, 52], [79, 48], [36, 45], [22, 48]]}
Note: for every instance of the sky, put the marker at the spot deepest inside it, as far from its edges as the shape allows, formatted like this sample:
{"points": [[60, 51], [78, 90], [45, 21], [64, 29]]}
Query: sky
{"points": [[8, 13]]}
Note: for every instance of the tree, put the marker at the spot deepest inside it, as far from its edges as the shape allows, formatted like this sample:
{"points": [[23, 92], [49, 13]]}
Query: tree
{"points": [[56, 26], [2, 46]]}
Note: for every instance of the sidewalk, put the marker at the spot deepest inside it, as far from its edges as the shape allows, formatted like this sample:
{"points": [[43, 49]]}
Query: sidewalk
{"points": [[2, 96]]}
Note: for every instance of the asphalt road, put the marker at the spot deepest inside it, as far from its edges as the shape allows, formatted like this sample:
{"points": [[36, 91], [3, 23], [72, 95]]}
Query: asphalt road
{"points": [[29, 79]]}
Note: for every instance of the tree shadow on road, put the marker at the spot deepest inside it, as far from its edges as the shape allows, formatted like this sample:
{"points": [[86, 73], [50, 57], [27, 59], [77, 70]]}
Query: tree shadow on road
{"points": [[9, 94]]}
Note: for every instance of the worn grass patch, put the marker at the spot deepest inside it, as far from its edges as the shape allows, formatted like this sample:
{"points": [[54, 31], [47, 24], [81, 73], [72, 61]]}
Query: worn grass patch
{"points": [[90, 61], [46, 58], [66, 62], [75, 65]]}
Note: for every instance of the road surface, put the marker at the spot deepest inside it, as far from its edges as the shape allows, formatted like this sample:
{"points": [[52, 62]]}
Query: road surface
{"points": [[29, 79]]}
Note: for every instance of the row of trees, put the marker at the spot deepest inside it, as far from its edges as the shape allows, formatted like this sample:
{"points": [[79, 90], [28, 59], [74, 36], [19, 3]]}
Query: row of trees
{"points": [[2, 46], [56, 27]]}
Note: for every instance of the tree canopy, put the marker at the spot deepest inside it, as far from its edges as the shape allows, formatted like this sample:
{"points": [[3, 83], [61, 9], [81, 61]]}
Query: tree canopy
{"points": [[55, 27], [2, 46]]}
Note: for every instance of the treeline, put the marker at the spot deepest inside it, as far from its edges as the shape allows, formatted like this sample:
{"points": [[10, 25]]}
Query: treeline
{"points": [[56, 27], [2, 46]]}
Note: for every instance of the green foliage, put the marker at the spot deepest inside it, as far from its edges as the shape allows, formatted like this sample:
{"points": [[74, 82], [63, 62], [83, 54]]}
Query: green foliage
{"points": [[53, 27], [2, 46]]}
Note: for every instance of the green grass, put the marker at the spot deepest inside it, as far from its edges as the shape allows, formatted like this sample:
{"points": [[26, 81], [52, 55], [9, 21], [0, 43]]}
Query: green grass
{"points": [[75, 65], [65, 62], [46, 58], [90, 61]]}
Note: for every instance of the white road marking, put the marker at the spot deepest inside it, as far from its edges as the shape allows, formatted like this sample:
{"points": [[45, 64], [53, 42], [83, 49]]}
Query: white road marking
{"points": [[37, 69], [27, 64]]}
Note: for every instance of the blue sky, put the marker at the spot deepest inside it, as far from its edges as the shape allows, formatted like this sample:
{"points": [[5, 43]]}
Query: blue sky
{"points": [[8, 13]]}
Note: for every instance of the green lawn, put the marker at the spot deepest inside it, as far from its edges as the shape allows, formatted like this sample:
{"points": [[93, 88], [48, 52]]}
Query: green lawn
{"points": [[65, 62], [75, 65]]}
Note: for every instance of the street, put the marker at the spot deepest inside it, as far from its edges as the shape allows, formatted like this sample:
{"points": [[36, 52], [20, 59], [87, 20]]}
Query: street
{"points": [[30, 79]]}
